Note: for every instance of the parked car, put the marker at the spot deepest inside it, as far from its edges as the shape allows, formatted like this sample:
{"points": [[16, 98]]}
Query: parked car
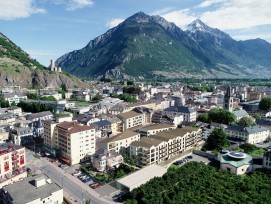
{"points": [[76, 173], [87, 179], [82, 176]]}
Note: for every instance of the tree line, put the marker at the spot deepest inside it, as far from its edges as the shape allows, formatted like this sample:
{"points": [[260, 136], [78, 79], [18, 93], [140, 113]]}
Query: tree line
{"points": [[199, 183]]}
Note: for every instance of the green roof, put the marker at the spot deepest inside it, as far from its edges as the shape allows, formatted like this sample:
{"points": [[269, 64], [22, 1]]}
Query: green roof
{"points": [[226, 159]]}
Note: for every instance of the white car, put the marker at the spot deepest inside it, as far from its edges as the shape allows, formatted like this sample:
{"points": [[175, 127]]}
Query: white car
{"points": [[77, 173]]}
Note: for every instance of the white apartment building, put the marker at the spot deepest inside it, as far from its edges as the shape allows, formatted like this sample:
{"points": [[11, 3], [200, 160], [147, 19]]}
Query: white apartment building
{"points": [[166, 144], [189, 114], [138, 116], [38, 189], [71, 141], [75, 141], [120, 142], [12, 163], [252, 135]]}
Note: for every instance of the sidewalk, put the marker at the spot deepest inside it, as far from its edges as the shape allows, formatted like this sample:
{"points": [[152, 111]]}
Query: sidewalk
{"points": [[94, 196]]}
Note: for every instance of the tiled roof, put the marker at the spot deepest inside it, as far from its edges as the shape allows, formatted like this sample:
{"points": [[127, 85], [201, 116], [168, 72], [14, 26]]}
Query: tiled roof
{"points": [[73, 127]]}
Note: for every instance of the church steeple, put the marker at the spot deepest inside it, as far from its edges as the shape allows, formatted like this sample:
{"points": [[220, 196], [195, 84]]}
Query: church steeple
{"points": [[228, 99]]}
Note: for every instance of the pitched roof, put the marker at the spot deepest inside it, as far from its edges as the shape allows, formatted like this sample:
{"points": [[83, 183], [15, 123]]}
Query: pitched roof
{"points": [[124, 135], [147, 142], [250, 130], [158, 126], [240, 113], [181, 109]]}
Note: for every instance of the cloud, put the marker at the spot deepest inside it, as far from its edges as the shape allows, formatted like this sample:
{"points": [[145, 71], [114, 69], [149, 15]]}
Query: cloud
{"points": [[162, 11], [10, 10], [114, 22], [236, 14], [180, 17], [208, 3], [78, 4], [224, 14]]}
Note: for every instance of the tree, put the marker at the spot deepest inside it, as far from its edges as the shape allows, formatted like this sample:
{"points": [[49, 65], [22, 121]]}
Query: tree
{"points": [[4, 103], [13, 103], [203, 117], [265, 104], [97, 97], [246, 122], [130, 83], [221, 116], [217, 140]]}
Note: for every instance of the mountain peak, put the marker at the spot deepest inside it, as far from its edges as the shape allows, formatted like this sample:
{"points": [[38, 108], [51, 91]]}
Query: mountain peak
{"points": [[197, 25]]}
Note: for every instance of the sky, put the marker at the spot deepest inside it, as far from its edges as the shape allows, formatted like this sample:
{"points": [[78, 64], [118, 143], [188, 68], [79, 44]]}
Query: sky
{"points": [[47, 29]]}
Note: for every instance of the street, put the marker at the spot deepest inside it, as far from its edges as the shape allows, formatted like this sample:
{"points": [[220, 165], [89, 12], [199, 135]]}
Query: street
{"points": [[74, 189]]}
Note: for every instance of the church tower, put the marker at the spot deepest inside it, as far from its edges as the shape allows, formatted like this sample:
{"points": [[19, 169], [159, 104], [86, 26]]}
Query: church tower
{"points": [[228, 100]]}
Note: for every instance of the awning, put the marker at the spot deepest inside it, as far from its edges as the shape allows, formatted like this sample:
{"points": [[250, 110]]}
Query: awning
{"points": [[65, 160]]}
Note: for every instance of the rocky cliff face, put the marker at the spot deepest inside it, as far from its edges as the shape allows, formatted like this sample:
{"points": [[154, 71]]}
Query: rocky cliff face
{"points": [[17, 68]]}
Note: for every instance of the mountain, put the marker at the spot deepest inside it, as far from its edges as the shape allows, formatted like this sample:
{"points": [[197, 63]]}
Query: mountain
{"points": [[17, 68], [149, 46]]}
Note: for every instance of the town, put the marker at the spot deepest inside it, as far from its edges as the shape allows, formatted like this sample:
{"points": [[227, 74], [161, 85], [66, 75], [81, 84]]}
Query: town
{"points": [[98, 144]]}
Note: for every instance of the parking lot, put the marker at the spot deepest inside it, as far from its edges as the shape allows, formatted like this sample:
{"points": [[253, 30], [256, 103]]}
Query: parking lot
{"points": [[191, 157]]}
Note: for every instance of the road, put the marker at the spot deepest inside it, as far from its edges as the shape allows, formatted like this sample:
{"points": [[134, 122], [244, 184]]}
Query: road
{"points": [[73, 188], [71, 185]]}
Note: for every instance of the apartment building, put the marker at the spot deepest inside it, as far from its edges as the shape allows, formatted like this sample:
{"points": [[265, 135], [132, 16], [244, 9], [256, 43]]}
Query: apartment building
{"points": [[120, 142], [75, 141], [149, 150], [189, 114], [137, 116], [71, 141], [103, 160], [22, 135], [12, 163], [38, 189], [153, 129], [250, 135], [166, 144]]}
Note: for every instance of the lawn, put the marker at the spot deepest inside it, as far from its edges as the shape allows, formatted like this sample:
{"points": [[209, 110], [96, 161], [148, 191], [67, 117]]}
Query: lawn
{"points": [[174, 166], [81, 103]]}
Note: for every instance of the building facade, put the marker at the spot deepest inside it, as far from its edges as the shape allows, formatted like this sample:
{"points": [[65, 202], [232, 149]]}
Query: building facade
{"points": [[12, 164], [252, 135], [165, 145], [119, 143]]}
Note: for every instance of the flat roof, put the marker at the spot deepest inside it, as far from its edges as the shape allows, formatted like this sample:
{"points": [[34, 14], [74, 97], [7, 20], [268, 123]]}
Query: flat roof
{"points": [[142, 176], [25, 191]]}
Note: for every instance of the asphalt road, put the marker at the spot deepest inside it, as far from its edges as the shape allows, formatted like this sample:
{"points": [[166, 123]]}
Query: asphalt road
{"points": [[70, 187]]}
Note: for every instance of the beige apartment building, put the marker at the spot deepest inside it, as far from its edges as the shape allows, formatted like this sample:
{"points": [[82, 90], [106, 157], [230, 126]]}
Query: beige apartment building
{"points": [[153, 129], [166, 144], [71, 141], [138, 116], [120, 142], [12, 163]]}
